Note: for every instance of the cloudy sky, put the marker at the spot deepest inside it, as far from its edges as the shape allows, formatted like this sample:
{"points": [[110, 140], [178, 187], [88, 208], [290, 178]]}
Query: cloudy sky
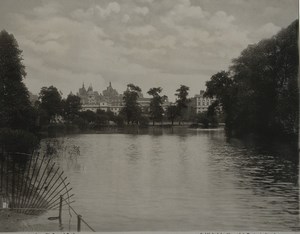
{"points": [[146, 42]]}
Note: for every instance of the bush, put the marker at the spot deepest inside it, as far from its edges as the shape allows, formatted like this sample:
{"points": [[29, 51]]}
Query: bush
{"points": [[144, 121], [119, 120], [18, 141], [81, 123]]}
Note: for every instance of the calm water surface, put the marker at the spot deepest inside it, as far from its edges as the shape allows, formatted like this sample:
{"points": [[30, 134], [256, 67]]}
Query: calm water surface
{"points": [[183, 180]]}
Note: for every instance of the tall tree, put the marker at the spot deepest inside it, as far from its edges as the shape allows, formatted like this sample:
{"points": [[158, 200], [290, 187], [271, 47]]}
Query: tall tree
{"points": [[156, 110], [266, 75], [51, 102], [71, 107], [182, 100], [260, 93], [131, 110], [171, 113], [222, 86], [15, 109]]}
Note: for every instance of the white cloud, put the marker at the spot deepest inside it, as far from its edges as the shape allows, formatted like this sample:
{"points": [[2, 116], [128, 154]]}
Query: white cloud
{"points": [[112, 7], [95, 11], [141, 30], [271, 11], [51, 36], [50, 47], [125, 18], [266, 30], [220, 20], [165, 42], [193, 38], [47, 10], [146, 1], [196, 27], [141, 10], [81, 14], [185, 10]]}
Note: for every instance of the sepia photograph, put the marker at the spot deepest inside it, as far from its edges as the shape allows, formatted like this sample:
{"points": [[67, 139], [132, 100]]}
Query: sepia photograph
{"points": [[149, 116]]}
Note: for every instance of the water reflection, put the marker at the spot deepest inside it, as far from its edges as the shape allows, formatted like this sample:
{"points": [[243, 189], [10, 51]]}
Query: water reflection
{"points": [[268, 171], [181, 180]]}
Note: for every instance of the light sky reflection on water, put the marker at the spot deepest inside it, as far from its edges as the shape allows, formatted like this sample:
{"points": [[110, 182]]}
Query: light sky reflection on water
{"points": [[183, 180]]}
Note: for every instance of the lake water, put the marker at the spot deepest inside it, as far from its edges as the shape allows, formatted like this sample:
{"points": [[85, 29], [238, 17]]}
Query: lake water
{"points": [[177, 180]]}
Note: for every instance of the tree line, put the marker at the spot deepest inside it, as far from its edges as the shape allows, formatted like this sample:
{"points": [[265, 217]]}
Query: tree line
{"points": [[51, 105], [259, 92]]}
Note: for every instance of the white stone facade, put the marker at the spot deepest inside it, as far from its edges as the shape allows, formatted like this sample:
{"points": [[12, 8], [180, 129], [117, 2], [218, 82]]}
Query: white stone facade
{"points": [[202, 103], [109, 100]]}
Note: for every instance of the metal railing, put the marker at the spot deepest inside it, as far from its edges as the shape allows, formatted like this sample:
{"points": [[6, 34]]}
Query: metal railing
{"points": [[79, 217], [34, 186], [31, 183], [60, 209]]}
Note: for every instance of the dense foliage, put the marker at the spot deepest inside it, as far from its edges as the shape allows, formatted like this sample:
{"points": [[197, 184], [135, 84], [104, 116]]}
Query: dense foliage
{"points": [[259, 93], [171, 113], [71, 107], [17, 141], [156, 109], [50, 103], [15, 109], [17, 116], [131, 110], [182, 101]]}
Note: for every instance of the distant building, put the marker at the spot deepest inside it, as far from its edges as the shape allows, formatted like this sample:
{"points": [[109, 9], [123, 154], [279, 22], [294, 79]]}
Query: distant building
{"points": [[90, 100], [202, 103], [113, 99], [109, 100], [144, 103]]}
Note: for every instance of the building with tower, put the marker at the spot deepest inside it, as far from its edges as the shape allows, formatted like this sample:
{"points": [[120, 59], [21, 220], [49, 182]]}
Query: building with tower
{"points": [[109, 100]]}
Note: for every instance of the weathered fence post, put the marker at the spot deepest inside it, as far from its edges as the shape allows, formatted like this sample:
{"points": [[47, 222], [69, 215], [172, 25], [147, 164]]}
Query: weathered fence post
{"points": [[2, 166], [60, 208], [13, 186], [78, 223]]}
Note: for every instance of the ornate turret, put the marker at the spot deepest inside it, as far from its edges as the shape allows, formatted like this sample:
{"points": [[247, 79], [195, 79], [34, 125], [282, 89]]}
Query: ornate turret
{"points": [[110, 94], [92, 100], [90, 88], [110, 91], [82, 91]]}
